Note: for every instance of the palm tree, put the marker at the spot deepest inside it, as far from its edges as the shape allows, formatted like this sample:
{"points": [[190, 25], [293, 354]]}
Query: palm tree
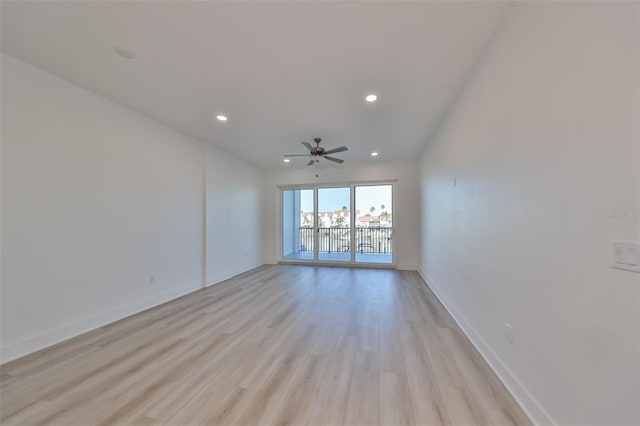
{"points": [[381, 207], [372, 209], [345, 211], [340, 221], [384, 215]]}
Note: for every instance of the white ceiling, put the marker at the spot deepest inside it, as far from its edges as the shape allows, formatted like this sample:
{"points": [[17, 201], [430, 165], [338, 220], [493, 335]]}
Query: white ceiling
{"points": [[282, 71]]}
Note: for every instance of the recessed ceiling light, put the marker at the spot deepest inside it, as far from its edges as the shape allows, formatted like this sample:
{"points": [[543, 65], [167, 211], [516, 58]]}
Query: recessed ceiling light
{"points": [[221, 117], [374, 154], [371, 98], [286, 160], [123, 52]]}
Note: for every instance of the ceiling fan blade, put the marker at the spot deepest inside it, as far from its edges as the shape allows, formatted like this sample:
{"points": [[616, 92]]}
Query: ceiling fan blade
{"points": [[335, 160], [333, 151], [310, 163], [297, 155], [308, 145]]}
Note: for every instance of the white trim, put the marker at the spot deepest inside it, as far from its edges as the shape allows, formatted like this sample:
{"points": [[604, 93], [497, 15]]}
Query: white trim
{"points": [[316, 225], [407, 267], [205, 161], [353, 216], [230, 274], [60, 334], [279, 226], [338, 184], [304, 262], [532, 408]]}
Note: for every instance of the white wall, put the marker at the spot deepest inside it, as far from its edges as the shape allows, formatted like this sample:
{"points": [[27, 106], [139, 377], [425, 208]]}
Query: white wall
{"points": [[406, 201], [290, 222], [234, 215], [543, 139], [96, 199]]}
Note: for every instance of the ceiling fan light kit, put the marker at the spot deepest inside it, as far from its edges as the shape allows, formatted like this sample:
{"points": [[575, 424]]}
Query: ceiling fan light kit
{"points": [[318, 151]]}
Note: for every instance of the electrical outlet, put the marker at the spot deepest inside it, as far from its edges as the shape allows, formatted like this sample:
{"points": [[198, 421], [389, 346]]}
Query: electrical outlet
{"points": [[152, 279], [508, 333], [625, 255]]}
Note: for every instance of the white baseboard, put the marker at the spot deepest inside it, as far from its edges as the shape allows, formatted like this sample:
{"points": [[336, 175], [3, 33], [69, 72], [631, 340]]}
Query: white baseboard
{"points": [[223, 276], [60, 334], [407, 267], [532, 408]]}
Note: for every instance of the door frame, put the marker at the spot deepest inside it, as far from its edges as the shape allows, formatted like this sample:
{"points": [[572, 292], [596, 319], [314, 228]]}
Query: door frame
{"points": [[352, 222]]}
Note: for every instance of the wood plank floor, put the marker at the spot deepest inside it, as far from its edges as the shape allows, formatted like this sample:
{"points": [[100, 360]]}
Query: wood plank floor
{"points": [[286, 345]]}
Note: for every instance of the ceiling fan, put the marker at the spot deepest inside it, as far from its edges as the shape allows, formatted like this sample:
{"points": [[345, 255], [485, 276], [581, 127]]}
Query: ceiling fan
{"points": [[317, 151]]}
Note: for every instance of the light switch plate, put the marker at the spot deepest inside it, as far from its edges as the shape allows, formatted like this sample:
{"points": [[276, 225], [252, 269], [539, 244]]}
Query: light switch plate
{"points": [[625, 255]]}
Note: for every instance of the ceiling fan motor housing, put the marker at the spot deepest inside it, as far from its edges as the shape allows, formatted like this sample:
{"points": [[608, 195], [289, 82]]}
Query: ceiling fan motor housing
{"points": [[317, 150]]}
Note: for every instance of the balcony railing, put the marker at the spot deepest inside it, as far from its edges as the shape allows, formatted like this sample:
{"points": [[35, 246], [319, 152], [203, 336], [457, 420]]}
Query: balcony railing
{"points": [[373, 239]]}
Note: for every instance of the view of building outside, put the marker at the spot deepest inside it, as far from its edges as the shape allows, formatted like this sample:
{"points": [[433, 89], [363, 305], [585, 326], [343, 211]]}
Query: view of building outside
{"points": [[333, 209]]}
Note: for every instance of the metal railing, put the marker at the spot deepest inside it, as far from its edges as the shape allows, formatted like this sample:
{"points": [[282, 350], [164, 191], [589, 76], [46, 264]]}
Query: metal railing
{"points": [[373, 239]]}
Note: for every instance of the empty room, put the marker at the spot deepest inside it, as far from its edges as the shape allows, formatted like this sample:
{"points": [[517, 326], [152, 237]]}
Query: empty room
{"points": [[320, 213]]}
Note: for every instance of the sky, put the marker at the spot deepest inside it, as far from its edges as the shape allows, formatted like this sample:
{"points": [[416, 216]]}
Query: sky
{"points": [[331, 199]]}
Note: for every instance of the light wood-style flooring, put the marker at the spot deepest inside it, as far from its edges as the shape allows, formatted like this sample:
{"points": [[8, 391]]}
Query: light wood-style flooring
{"points": [[285, 345]]}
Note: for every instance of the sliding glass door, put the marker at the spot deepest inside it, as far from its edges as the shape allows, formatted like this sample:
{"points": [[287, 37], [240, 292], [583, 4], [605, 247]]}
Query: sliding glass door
{"points": [[340, 224], [374, 224], [298, 224], [334, 227]]}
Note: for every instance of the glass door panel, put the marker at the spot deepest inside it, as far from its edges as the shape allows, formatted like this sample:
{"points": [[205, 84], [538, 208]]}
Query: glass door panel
{"points": [[334, 219], [374, 224], [298, 222]]}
